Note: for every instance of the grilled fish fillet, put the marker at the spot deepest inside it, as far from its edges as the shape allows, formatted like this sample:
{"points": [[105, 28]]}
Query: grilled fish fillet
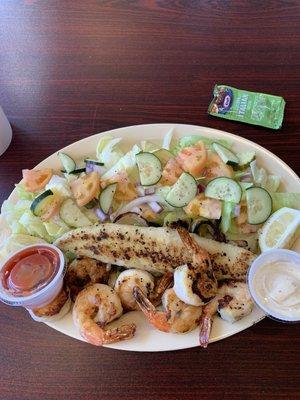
{"points": [[156, 250]]}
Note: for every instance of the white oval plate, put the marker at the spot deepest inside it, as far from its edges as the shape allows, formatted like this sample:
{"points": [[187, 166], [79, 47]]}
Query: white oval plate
{"points": [[146, 337]]}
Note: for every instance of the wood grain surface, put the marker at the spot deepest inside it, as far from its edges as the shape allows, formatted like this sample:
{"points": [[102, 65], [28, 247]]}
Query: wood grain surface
{"points": [[72, 68]]}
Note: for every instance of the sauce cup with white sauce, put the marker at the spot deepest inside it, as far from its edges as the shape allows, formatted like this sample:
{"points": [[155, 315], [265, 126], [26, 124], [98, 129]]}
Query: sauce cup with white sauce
{"points": [[274, 284]]}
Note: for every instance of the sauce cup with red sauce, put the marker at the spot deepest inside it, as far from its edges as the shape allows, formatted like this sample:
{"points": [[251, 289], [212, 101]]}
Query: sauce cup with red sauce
{"points": [[32, 277]]}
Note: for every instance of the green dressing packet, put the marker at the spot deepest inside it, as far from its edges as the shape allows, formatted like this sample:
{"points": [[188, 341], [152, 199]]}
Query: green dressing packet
{"points": [[250, 107]]}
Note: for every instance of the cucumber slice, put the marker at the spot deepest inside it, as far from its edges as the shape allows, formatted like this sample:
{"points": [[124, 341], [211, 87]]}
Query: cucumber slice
{"points": [[40, 203], [246, 157], [67, 162], [226, 155], [93, 203], [183, 191], [95, 162], [76, 171], [106, 197], [149, 167], [245, 185], [224, 189], [163, 155], [259, 205], [72, 215]]}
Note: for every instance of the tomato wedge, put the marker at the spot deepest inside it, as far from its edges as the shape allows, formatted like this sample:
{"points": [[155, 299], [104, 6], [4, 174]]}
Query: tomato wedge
{"points": [[126, 190], [86, 188], [52, 208], [192, 159], [171, 173], [215, 168], [35, 180]]}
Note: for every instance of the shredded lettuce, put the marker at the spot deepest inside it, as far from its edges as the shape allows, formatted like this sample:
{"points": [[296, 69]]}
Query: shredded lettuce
{"points": [[291, 200], [60, 185], [149, 146], [167, 139], [227, 212], [246, 157], [107, 152], [261, 178], [13, 212], [21, 220], [191, 140], [250, 238], [16, 242], [34, 226], [273, 183], [125, 163], [22, 193]]}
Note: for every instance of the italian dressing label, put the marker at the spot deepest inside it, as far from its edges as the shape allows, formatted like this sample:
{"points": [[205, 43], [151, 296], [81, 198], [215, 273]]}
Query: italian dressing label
{"points": [[250, 107]]}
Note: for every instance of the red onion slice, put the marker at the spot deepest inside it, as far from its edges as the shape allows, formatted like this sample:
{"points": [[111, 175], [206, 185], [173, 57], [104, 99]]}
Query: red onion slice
{"points": [[134, 203], [100, 214], [157, 208]]}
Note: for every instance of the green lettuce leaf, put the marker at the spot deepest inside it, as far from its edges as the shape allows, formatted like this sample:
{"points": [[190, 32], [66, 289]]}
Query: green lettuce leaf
{"points": [[107, 151], [291, 200], [22, 193], [125, 163], [191, 140], [227, 213]]}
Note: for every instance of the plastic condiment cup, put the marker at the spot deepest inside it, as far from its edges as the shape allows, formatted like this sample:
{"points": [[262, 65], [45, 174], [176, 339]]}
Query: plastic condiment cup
{"points": [[41, 297], [268, 257]]}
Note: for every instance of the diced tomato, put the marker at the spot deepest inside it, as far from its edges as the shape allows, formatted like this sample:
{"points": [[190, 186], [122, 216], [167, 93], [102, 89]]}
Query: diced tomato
{"points": [[86, 188], [126, 190], [171, 173], [192, 159], [35, 180], [202, 206], [215, 168], [52, 208]]}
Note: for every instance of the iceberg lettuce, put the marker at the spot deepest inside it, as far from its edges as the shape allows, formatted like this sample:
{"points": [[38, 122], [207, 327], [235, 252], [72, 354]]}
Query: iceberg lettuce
{"points": [[107, 151], [291, 200], [191, 140], [227, 213], [125, 163]]}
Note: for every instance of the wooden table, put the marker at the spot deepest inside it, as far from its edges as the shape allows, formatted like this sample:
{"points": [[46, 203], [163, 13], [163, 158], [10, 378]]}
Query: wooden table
{"points": [[73, 68]]}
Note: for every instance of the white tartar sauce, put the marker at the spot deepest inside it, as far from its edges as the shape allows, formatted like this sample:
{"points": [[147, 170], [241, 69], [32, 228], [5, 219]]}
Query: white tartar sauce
{"points": [[277, 288]]}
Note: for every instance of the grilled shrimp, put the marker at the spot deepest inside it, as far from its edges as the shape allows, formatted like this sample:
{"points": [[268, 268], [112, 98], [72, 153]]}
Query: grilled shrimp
{"points": [[83, 272], [161, 285], [55, 310], [177, 316], [195, 283], [95, 307], [232, 302], [125, 283], [153, 289]]}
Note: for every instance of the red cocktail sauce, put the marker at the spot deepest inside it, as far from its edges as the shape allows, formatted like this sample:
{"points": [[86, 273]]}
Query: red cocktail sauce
{"points": [[30, 270]]}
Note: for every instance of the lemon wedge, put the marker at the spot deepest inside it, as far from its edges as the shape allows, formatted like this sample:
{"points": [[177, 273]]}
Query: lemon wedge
{"points": [[280, 230]]}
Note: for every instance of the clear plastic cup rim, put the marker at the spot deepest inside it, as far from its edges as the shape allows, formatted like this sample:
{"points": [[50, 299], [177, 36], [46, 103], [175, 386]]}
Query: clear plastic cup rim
{"points": [[264, 258], [22, 300]]}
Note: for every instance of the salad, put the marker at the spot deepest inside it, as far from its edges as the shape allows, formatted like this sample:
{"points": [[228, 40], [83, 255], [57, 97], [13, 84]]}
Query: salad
{"points": [[200, 183]]}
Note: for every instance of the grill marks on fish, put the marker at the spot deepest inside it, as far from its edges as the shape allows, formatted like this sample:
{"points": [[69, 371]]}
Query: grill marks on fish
{"points": [[156, 250]]}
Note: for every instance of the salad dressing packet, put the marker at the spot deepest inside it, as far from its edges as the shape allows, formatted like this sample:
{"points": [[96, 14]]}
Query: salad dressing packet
{"points": [[250, 107]]}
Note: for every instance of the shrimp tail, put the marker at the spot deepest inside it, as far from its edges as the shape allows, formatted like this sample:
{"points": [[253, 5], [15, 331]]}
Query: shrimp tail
{"points": [[163, 283], [158, 319], [191, 244], [99, 337], [205, 329], [187, 240]]}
